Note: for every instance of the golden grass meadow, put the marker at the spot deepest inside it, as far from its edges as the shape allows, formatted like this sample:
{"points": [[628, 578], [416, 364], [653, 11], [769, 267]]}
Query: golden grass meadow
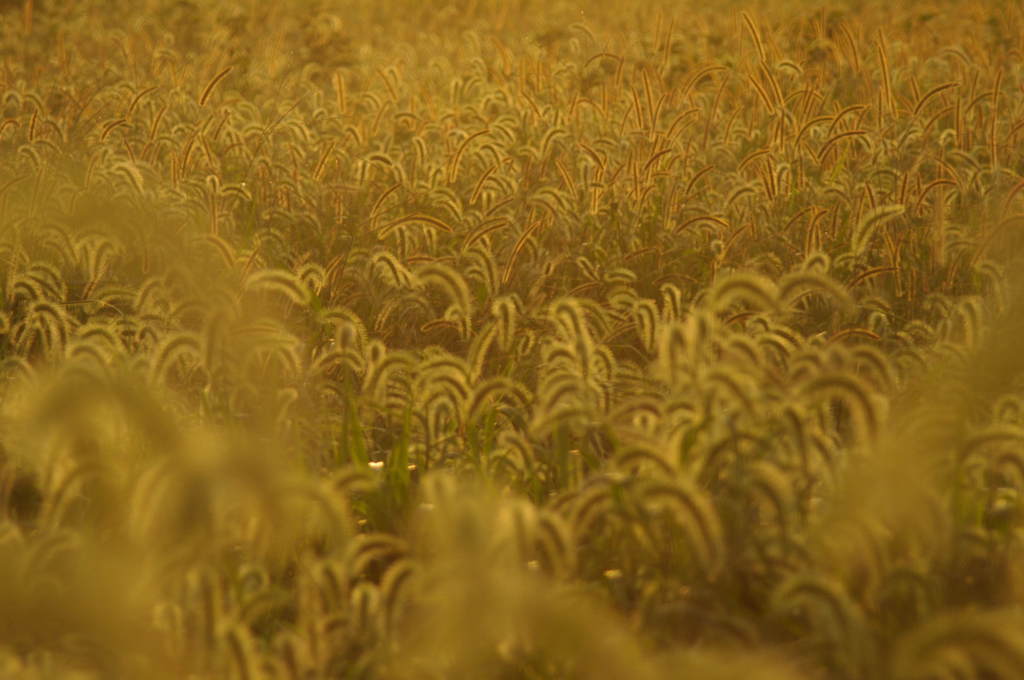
{"points": [[511, 339]]}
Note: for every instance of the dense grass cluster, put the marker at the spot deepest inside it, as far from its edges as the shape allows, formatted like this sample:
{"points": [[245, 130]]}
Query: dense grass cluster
{"points": [[511, 339]]}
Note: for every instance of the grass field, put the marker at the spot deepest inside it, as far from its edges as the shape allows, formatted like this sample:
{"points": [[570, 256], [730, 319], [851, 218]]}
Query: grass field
{"points": [[511, 339]]}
